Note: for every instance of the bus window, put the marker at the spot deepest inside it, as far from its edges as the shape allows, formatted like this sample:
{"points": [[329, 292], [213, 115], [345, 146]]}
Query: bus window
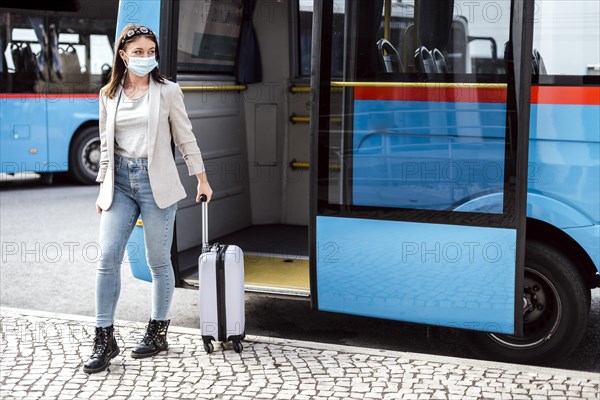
{"points": [[402, 14], [51, 53], [471, 45], [305, 17], [566, 36], [79, 47], [53, 66], [208, 35], [22, 54], [432, 147], [100, 54]]}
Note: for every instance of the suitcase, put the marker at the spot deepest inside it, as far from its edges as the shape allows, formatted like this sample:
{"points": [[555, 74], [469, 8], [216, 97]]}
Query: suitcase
{"points": [[221, 276]]}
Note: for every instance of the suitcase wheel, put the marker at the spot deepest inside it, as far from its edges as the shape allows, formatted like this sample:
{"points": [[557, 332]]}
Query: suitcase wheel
{"points": [[208, 347], [238, 347]]}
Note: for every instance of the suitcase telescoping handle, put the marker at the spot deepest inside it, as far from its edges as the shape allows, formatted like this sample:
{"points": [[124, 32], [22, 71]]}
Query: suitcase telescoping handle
{"points": [[203, 201]]}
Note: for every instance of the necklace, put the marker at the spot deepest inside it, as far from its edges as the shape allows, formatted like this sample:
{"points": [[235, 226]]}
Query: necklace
{"points": [[135, 92]]}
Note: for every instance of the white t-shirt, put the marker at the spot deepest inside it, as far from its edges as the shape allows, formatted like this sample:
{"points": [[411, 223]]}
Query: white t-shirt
{"points": [[131, 127]]}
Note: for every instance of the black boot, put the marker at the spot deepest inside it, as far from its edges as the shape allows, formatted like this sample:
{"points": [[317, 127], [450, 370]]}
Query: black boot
{"points": [[105, 349], [154, 341]]}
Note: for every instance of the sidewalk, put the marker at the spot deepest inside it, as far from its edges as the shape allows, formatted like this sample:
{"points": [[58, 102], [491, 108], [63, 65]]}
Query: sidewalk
{"points": [[42, 354]]}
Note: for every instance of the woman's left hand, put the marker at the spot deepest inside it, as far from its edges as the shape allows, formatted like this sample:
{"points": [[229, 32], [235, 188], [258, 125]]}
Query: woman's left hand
{"points": [[203, 188]]}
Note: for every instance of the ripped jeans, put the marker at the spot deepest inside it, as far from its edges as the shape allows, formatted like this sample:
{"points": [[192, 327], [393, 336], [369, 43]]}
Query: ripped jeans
{"points": [[132, 196]]}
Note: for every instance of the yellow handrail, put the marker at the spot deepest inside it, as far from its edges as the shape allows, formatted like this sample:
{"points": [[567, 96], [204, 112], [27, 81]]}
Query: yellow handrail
{"points": [[307, 89], [387, 19], [341, 85], [214, 88], [299, 119], [299, 89], [305, 165], [306, 119], [299, 165]]}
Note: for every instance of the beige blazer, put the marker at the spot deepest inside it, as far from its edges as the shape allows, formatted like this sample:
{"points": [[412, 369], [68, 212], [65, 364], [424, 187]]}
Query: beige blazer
{"points": [[167, 119]]}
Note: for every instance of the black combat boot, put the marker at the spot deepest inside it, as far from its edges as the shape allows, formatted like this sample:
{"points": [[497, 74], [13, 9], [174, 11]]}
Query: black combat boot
{"points": [[105, 349], [154, 341]]}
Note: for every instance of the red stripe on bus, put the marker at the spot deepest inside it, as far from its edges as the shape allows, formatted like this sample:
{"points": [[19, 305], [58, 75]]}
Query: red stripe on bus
{"points": [[48, 96], [576, 95], [432, 93]]}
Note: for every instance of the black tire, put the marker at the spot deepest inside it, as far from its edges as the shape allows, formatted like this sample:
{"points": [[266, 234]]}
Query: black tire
{"points": [[558, 304], [84, 157]]}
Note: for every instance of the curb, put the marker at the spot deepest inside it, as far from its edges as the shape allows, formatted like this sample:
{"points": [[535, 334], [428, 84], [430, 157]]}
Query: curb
{"points": [[534, 370]]}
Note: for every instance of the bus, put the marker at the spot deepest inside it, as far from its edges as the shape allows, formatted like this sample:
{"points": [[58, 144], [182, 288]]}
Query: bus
{"points": [[433, 162], [54, 63]]}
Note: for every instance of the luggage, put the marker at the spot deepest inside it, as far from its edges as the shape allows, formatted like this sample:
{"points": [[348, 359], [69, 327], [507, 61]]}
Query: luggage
{"points": [[221, 276]]}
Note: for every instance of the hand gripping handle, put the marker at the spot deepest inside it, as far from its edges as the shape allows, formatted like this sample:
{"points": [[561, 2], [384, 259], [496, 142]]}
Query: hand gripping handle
{"points": [[203, 201]]}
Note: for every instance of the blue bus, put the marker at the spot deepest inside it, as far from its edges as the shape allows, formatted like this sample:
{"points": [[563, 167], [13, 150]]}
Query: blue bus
{"points": [[54, 62], [434, 162]]}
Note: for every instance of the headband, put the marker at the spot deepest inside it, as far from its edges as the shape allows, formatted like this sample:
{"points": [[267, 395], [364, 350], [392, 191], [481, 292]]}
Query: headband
{"points": [[142, 30]]}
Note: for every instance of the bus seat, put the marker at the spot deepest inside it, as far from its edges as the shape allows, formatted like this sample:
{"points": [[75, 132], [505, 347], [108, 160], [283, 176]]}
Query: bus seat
{"points": [[68, 74], [440, 61], [538, 61], [105, 75], [535, 68], [25, 66], [390, 59], [424, 61], [70, 61]]}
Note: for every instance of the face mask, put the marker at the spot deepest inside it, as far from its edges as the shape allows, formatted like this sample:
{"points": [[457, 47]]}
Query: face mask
{"points": [[141, 66]]}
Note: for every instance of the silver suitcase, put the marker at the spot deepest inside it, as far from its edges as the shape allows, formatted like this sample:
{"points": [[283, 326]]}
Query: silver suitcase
{"points": [[221, 276]]}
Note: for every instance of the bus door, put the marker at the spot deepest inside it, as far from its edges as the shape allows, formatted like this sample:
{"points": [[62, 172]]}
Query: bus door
{"points": [[421, 123]]}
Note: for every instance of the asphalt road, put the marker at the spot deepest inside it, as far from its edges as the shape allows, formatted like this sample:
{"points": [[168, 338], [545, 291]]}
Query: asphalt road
{"points": [[48, 235]]}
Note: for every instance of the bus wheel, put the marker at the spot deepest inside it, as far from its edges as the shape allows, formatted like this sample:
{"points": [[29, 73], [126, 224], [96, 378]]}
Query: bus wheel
{"points": [[556, 304], [84, 159]]}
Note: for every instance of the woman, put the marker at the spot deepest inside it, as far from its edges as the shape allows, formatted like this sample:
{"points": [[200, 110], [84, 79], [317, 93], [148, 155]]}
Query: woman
{"points": [[140, 113]]}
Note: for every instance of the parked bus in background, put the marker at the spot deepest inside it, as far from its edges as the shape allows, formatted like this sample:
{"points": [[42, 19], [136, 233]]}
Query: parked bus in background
{"points": [[53, 66], [428, 161]]}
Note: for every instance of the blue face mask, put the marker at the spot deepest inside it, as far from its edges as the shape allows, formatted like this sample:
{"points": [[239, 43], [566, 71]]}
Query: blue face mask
{"points": [[141, 66]]}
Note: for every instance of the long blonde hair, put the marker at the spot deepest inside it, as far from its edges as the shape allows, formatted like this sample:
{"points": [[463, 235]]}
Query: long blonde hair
{"points": [[119, 68]]}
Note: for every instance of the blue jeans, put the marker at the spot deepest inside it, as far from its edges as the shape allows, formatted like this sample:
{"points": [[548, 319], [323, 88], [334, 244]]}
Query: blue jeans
{"points": [[132, 195]]}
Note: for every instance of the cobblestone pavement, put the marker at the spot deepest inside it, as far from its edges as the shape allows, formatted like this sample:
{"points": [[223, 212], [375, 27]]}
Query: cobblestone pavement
{"points": [[42, 354]]}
